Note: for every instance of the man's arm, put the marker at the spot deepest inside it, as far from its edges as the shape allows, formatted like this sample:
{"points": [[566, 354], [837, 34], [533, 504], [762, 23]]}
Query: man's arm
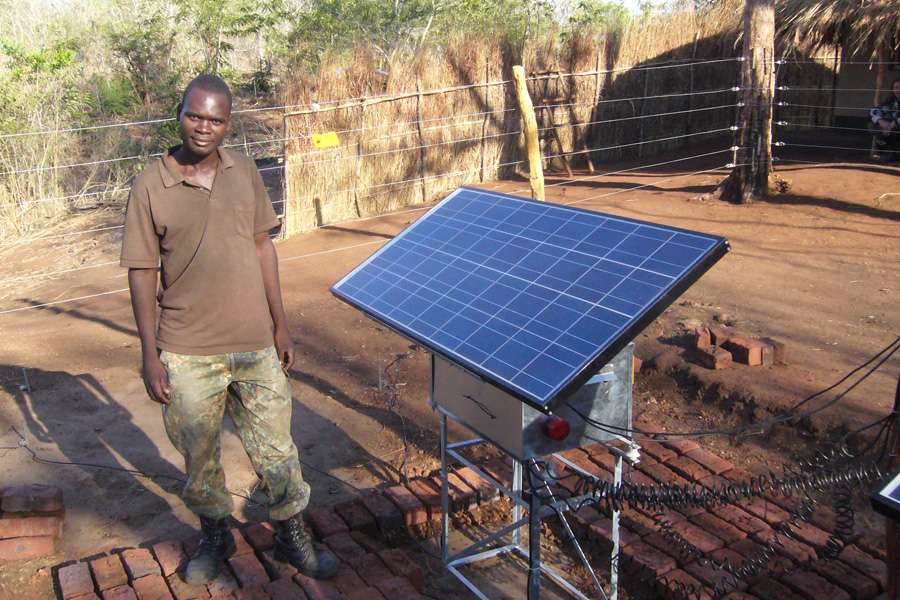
{"points": [[143, 285], [268, 261]]}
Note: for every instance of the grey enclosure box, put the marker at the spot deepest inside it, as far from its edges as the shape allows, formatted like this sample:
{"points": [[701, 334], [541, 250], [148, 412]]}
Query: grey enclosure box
{"points": [[517, 428]]}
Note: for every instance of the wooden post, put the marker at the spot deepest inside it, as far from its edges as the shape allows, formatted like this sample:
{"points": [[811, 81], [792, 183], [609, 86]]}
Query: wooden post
{"points": [[487, 114], [358, 166], [419, 119], [641, 120], [750, 177], [288, 218], [690, 116], [529, 126], [835, 79]]}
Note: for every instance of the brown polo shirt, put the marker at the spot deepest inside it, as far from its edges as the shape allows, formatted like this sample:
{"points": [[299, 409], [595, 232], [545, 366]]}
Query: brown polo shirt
{"points": [[212, 299]]}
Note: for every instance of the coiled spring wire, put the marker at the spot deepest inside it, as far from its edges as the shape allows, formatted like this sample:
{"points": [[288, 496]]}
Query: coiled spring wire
{"points": [[836, 470]]}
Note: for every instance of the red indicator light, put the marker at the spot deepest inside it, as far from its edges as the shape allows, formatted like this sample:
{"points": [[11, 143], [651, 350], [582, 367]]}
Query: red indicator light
{"points": [[556, 428]]}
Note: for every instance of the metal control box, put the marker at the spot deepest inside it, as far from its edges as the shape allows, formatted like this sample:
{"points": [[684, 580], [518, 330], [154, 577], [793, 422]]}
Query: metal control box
{"points": [[518, 428]]}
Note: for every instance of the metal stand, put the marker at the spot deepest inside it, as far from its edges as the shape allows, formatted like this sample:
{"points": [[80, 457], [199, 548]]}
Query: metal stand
{"points": [[536, 513]]}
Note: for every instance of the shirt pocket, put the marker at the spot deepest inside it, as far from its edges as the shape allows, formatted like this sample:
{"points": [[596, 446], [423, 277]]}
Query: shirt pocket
{"points": [[243, 220]]}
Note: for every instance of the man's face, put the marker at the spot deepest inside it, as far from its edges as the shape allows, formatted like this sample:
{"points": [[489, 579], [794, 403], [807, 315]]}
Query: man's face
{"points": [[204, 119]]}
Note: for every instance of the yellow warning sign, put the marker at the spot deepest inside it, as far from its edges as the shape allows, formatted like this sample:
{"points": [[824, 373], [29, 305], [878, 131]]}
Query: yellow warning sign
{"points": [[326, 140]]}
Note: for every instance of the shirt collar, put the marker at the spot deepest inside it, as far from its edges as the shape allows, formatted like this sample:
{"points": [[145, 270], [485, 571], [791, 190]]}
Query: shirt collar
{"points": [[171, 177]]}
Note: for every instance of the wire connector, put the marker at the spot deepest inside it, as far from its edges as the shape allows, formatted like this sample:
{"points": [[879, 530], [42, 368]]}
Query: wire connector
{"points": [[782, 123], [782, 103], [778, 143], [734, 128]]}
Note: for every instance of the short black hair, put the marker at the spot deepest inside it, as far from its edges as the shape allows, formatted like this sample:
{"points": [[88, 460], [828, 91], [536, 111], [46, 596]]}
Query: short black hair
{"points": [[208, 83]]}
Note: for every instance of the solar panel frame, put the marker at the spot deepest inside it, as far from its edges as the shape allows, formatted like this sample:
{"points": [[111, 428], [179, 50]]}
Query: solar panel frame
{"points": [[578, 377]]}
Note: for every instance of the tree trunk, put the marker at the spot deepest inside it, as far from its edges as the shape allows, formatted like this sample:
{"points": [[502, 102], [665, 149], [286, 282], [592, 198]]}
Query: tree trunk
{"points": [[750, 177]]}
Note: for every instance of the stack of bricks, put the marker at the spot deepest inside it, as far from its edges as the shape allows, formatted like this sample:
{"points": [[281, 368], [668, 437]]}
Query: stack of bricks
{"points": [[360, 532], [719, 347], [31, 521]]}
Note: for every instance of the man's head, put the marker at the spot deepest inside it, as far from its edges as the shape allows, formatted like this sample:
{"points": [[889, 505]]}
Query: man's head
{"points": [[204, 114]]}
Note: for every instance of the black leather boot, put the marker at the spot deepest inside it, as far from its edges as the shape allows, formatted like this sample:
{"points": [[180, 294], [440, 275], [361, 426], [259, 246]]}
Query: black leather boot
{"points": [[215, 546], [294, 545]]}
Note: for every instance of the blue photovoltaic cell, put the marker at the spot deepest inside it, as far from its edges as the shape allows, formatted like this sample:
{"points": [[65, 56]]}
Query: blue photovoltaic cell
{"points": [[526, 294]]}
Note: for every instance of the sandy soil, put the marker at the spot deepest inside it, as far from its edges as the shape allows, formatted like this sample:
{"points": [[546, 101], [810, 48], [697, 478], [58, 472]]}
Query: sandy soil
{"points": [[816, 268]]}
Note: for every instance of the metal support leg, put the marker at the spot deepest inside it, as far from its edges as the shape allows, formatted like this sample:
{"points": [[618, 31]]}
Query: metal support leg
{"points": [[534, 546], [614, 559], [445, 497], [517, 498]]}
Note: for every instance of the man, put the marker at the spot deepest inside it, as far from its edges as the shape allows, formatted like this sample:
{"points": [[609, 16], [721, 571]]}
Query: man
{"points": [[197, 222], [886, 126]]}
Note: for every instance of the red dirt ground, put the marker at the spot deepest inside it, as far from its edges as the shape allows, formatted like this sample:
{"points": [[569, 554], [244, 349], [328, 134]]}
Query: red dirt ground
{"points": [[816, 268]]}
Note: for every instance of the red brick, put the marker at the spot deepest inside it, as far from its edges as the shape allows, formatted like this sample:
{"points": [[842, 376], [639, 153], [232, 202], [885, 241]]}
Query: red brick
{"points": [[108, 572], [74, 580], [601, 531], [120, 592], [186, 591], [657, 451], [702, 337], [689, 468], [865, 564], [275, 568], [752, 550], [371, 568], [459, 495], [429, 495], [395, 587], [256, 592], [711, 462], [325, 522], [32, 498], [151, 587], [170, 555], [317, 589], [241, 546], [847, 578], [740, 518], [285, 589], [737, 475], [91, 596], [414, 512], [726, 532], [703, 540], [368, 593], [355, 515], [344, 547], [812, 586], [776, 349], [139, 563], [789, 503], [714, 357], [809, 533], [387, 516], [260, 535], [30, 526], [485, 491], [662, 544], [765, 510], [796, 551], [347, 580], [681, 577], [745, 350], [662, 473], [402, 565], [709, 575], [649, 559], [500, 470], [636, 364], [602, 457], [638, 523], [768, 588], [368, 542], [719, 335], [26, 548], [680, 445], [581, 520], [248, 570], [223, 584]]}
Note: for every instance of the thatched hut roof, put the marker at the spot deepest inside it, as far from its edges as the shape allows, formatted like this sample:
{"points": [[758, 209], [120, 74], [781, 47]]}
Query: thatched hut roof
{"points": [[864, 27]]}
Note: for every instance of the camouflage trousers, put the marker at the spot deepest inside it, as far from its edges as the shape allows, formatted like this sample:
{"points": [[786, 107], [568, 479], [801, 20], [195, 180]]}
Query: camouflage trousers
{"points": [[254, 390]]}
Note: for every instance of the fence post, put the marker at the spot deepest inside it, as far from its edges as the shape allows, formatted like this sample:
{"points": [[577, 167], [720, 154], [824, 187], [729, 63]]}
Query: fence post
{"points": [[529, 125], [358, 166], [487, 113], [287, 225], [419, 119]]}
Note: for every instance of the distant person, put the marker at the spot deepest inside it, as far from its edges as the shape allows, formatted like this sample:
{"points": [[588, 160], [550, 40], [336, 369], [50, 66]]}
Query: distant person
{"points": [[886, 126], [197, 227]]}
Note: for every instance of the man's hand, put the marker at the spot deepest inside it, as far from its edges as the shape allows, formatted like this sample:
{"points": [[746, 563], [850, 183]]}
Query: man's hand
{"points": [[285, 347], [156, 380], [886, 125]]}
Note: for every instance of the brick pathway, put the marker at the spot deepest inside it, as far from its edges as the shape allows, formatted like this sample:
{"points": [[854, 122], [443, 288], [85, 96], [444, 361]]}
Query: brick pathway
{"points": [[358, 532]]}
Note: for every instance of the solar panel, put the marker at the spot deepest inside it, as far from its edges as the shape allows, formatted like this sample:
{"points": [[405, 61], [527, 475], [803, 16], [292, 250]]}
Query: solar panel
{"points": [[531, 296]]}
